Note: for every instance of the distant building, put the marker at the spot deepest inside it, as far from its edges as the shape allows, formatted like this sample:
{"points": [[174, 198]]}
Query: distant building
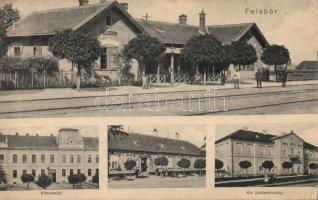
{"points": [[114, 27], [257, 147], [144, 149], [307, 65], [57, 156]]}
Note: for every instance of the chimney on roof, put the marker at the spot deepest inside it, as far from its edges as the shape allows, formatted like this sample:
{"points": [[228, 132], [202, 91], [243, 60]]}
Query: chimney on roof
{"points": [[16, 133], [125, 6], [51, 135], [155, 132], [27, 134], [37, 134], [177, 135], [83, 2], [291, 131], [202, 28], [183, 19]]}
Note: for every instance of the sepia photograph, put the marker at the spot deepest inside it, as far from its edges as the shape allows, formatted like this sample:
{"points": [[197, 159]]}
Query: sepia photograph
{"points": [[157, 156], [49, 158], [266, 155], [140, 58]]}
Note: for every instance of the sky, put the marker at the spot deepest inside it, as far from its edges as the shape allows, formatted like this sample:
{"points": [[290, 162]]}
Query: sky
{"points": [[191, 133], [294, 25], [307, 131], [85, 131]]}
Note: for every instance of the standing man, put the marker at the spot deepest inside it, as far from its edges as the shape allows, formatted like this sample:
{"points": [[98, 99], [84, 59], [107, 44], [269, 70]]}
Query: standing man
{"points": [[258, 77], [284, 78], [236, 79]]}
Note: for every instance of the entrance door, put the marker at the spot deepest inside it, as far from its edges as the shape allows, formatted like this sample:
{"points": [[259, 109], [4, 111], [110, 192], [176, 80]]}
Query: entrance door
{"points": [[144, 166], [53, 177]]}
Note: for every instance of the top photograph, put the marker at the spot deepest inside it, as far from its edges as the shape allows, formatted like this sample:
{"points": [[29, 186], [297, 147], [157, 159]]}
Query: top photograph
{"points": [[78, 58]]}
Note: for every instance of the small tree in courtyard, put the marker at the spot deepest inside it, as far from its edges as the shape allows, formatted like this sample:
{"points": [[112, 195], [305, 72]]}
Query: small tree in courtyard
{"points": [[27, 178], [129, 165], [145, 50], [184, 163], [200, 164], [80, 48], [242, 54], [95, 178], [287, 165], [3, 175], [245, 165], [76, 178], [43, 181], [218, 165], [161, 161], [313, 167], [268, 164]]}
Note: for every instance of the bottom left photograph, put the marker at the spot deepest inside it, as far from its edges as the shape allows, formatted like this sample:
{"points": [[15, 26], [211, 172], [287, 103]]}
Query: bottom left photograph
{"points": [[50, 158]]}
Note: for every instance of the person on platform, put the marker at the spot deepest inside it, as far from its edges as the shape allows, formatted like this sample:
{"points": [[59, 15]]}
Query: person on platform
{"points": [[258, 77], [284, 78], [236, 79]]}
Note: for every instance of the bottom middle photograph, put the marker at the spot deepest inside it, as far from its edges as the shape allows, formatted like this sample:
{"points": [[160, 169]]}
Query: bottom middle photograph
{"points": [[158, 156]]}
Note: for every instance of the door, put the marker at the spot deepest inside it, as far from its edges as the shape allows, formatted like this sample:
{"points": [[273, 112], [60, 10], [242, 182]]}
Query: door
{"points": [[54, 177], [143, 165]]}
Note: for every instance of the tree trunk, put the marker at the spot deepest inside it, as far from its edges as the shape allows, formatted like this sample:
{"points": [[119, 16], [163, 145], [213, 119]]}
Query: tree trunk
{"points": [[27, 184], [246, 173], [143, 75], [78, 78]]}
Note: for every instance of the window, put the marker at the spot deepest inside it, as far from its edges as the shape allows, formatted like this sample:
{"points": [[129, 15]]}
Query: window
{"points": [[78, 159], [17, 51], [103, 58], [97, 159], [89, 160], [14, 173], [284, 150], [63, 158], [24, 158], [37, 51], [71, 171], [34, 172], [1, 158], [42, 158], [239, 148], [42, 171], [52, 159], [24, 171], [292, 150], [78, 171], [33, 158], [250, 149], [15, 158], [261, 150], [71, 159], [97, 171], [108, 20], [89, 172], [63, 172]]}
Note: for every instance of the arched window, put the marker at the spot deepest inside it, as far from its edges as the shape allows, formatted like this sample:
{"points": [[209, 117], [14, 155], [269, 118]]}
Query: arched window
{"points": [[33, 158], [71, 158], [1, 158], [15, 158], [78, 158], [52, 159], [63, 158], [89, 160], [24, 158], [42, 158], [97, 159]]}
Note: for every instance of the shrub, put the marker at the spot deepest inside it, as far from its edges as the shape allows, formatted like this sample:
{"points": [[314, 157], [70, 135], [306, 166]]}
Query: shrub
{"points": [[76, 178], [43, 181], [129, 165], [3, 175], [95, 178], [184, 163], [268, 164], [200, 164], [245, 165], [27, 178]]}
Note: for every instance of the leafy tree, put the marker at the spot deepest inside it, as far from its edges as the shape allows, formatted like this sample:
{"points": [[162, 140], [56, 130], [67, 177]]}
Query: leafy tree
{"points": [[145, 50], [161, 161], [242, 54], [27, 178], [184, 163], [3, 175], [95, 178], [218, 165], [294, 160], [76, 178], [275, 55], [199, 164], [43, 181], [203, 50], [268, 164], [8, 16], [129, 165], [78, 47], [245, 164], [313, 166], [287, 165]]}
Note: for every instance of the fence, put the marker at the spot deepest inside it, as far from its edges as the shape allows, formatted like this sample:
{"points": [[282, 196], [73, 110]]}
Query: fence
{"points": [[299, 75]]}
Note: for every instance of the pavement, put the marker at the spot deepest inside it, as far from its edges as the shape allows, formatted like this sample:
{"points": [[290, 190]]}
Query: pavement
{"points": [[159, 182], [56, 93]]}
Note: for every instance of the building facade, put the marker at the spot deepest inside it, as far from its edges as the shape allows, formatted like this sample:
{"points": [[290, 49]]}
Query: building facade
{"points": [[114, 27], [258, 147], [144, 149], [57, 156]]}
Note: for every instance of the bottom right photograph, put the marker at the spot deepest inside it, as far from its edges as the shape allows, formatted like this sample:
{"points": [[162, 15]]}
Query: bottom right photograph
{"points": [[266, 155]]}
